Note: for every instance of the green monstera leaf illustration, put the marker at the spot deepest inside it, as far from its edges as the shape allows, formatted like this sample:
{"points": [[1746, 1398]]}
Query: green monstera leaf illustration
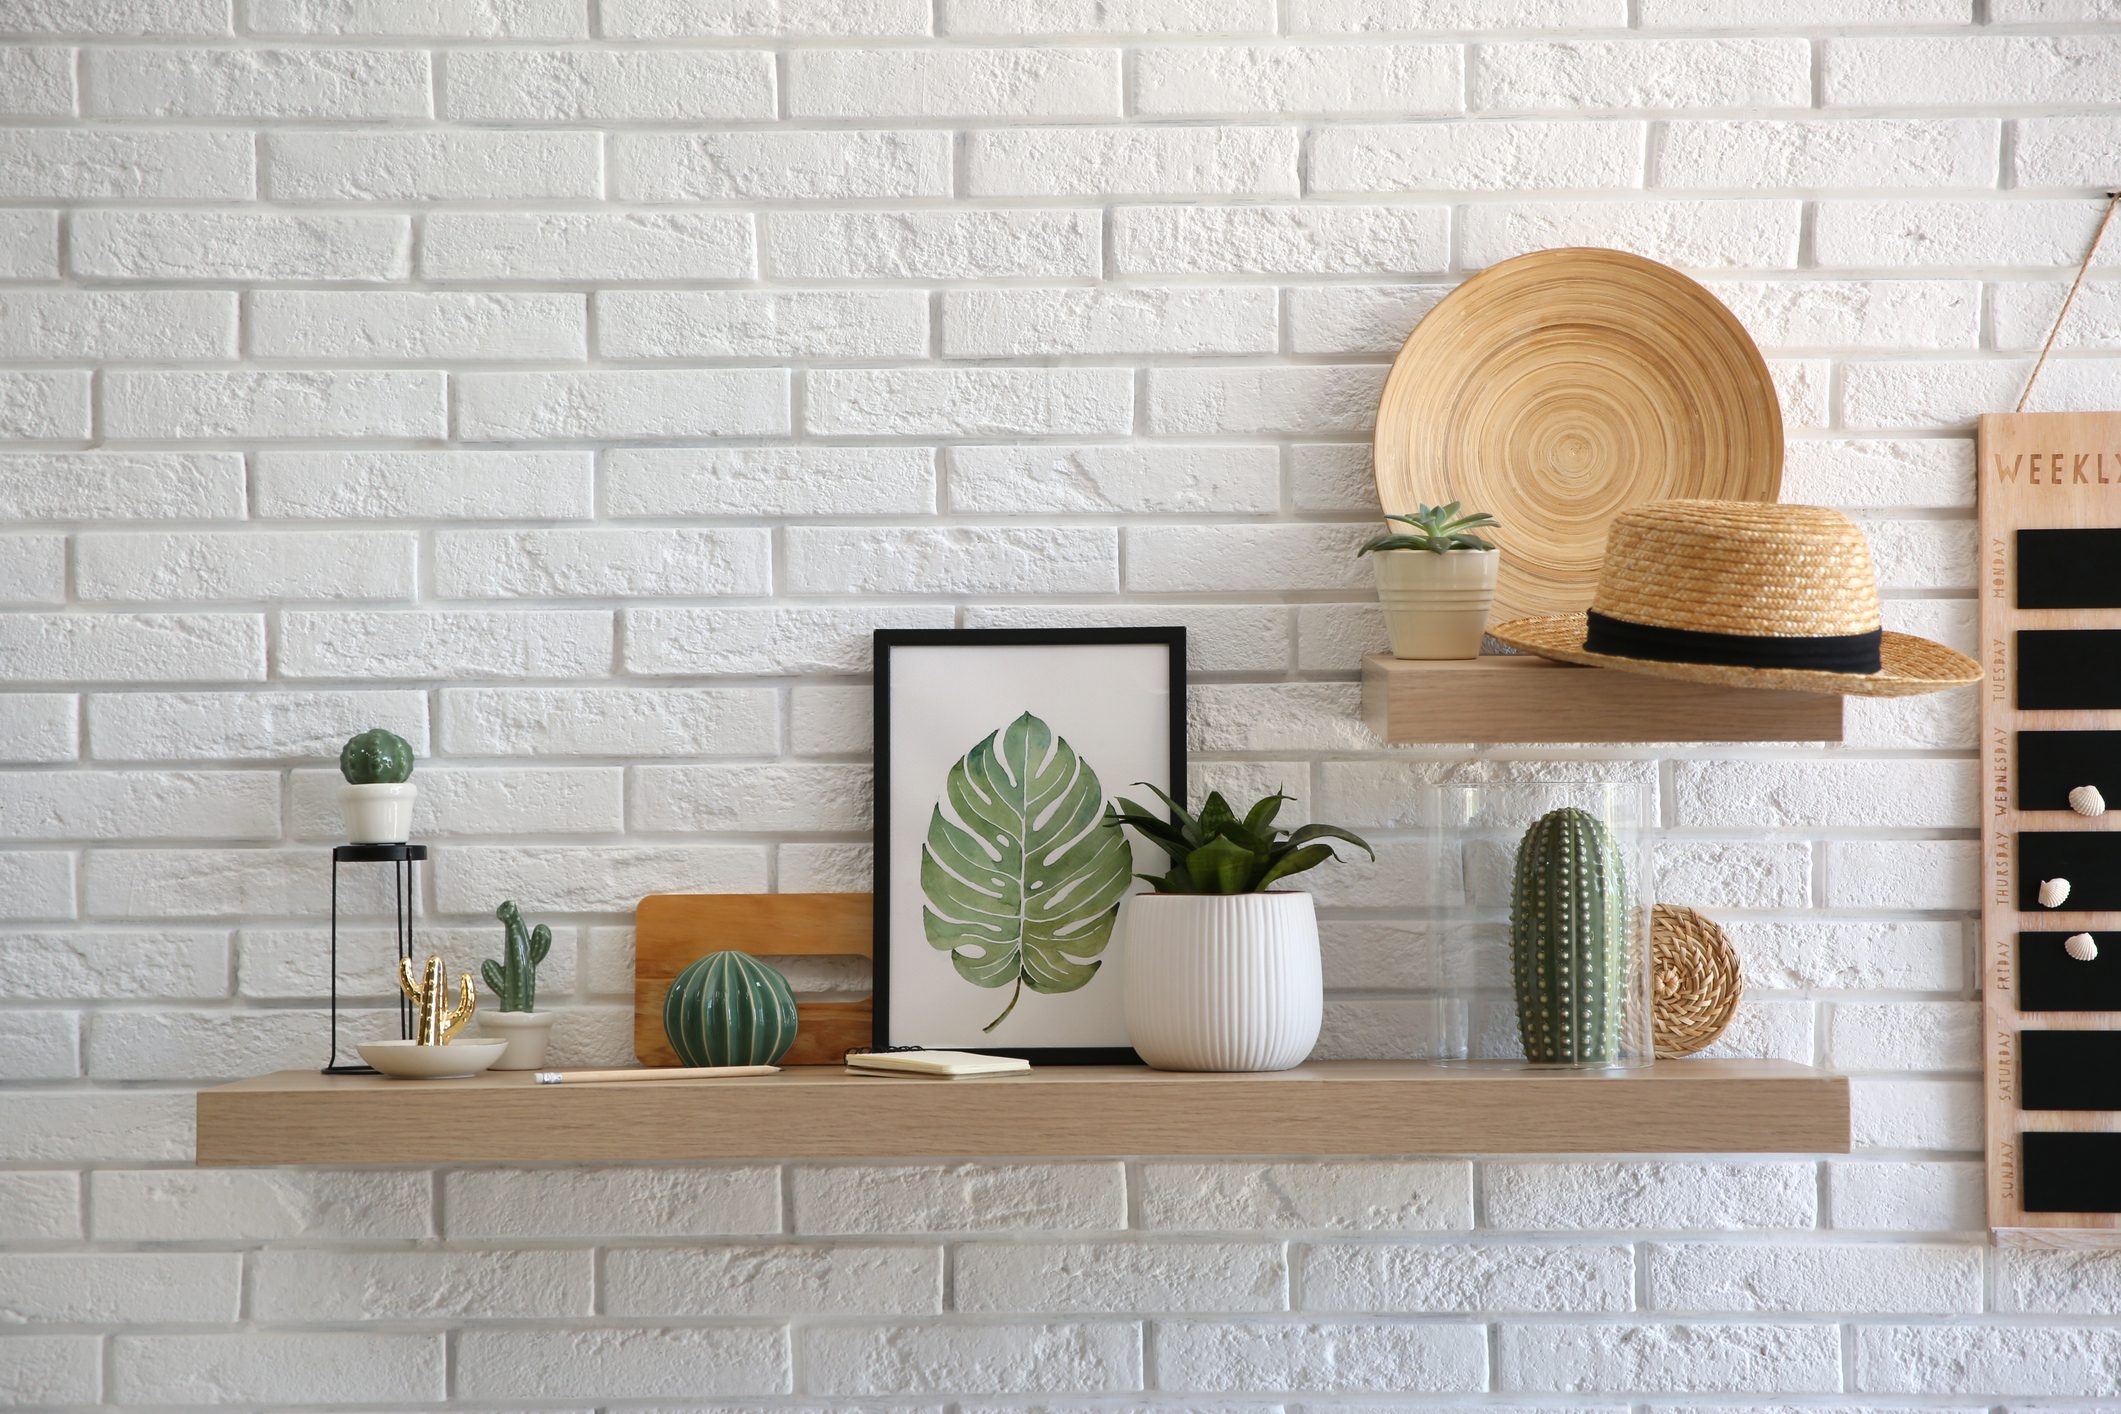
{"points": [[1025, 890]]}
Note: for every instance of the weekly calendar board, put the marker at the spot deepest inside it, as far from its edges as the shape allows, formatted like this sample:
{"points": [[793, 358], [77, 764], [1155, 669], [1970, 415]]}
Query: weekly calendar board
{"points": [[2049, 486]]}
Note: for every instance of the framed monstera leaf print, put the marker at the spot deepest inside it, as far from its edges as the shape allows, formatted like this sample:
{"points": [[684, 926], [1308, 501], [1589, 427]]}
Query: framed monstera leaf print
{"points": [[998, 883]]}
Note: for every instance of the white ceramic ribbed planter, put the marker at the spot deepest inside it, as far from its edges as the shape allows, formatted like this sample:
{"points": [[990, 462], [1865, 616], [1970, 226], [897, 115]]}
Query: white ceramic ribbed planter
{"points": [[1436, 605], [526, 1033], [1222, 981], [378, 814]]}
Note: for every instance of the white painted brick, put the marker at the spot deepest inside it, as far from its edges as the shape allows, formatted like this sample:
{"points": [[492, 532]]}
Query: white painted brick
{"points": [[114, 17], [1962, 72], [50, 1370], [181, 883], [2010, 12], [455, 800], [1334, 1357], [107, 486], [255, 83], [962, 1197], [213, 245], [1376, 319], [2063, 1282], [1240, 557], [1746, 154], [295, 963], [1952, 395], [446, 644], [1483, 156], [966, 560], [1096, 1277], [1990, 1360], [2024, 311], [277, 1367], [114, 966], [39, 1045], [679, 19], [29, 244], [81, 648], [1298, 401], [607, 85], [416, 328], [1918, 233], [425, 485], [215, 1045], [1737, 14], [1636, 74], [2062, 151], [825, 868], [145, 566], [577, 246], [36, 886], [1928, 1036], [612, 721], [611, 1201], [1914, 874], [32, 571], [1219, 639], [453, 19], [1905, 1197], [607, 879], [37, 727], [1109, 320], [1832, 795], [835, 324], [1881, 472], [250, 726], [688, 799], [829, 721], [44, 163], [1856, 314], [1019, 480], [779, 165], [82, 1126], [954, 83], [1400, 79], [1701, 234], [40, 1207], [44, 406], [37, 83], [1914, 1114], [67, 326], [516, 564], [163, 1205], [102, 805], [1293, 240], [1674, 1359], [622, 404], [1611, 1197], [431, 166], [1154, 161], [769, 641], [1794, 1278], [782, 481], [1369, 1196], [969, 402], [984, 1359], [1062, 17], [1872, 956], [291, 1285], [1390, 1278], [201, 405], [1299, 716], [932, 245], [799, 1280], [1408, 16]]}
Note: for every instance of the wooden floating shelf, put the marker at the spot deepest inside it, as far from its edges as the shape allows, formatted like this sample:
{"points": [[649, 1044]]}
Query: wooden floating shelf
{"points": [[1519, 698], [1330, 1107]]}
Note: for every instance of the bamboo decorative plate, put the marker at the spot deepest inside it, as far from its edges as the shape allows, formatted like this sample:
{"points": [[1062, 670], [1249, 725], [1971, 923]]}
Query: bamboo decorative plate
{"points": [[1558, 389]]}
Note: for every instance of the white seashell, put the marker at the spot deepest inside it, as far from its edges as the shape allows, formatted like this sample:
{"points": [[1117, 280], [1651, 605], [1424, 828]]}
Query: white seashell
{"points": [[2053, 892], [2081, 947], [2086, 800]]}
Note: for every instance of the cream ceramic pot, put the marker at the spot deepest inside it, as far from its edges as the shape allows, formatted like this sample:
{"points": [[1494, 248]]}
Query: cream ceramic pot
{"points": [[1222, 981], [1436, 605], [526, 1033], [378, 814]]}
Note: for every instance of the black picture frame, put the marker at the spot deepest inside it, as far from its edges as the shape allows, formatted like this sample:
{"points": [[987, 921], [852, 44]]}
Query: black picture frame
{"points": [[884, 642]]}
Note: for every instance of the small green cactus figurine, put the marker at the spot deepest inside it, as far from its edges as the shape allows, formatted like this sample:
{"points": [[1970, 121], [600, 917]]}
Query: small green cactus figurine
{"points": [[514, 975], [1570, 940], [376, 757]]}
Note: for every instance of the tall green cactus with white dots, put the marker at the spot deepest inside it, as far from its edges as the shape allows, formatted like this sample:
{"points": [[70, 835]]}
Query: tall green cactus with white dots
{"points": [[1570, 937]]}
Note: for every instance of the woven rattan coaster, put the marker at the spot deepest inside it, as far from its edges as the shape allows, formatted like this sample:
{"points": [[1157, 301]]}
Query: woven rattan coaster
{"points": [[1696, 980]]}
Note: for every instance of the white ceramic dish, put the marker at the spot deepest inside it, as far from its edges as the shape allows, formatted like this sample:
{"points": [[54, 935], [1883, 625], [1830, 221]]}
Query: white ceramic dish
{"points": [[409, 1060]]}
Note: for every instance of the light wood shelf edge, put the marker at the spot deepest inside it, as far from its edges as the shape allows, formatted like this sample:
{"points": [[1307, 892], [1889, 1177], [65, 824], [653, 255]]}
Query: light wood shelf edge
{"points": [[1323, 1108], [1505, 698]]}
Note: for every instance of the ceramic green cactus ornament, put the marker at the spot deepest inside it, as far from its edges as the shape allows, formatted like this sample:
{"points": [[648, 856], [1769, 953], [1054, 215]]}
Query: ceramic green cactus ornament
{"points": [[1570, 940], [729, 1009], [513, 977], [375, 758]]}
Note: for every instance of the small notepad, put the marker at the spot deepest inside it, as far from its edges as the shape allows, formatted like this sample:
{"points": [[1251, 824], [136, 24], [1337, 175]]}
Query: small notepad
{"points": [[942, 1064]]}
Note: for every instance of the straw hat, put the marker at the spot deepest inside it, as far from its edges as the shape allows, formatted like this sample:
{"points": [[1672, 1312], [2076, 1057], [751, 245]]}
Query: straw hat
{"points": [[1750, 594]]}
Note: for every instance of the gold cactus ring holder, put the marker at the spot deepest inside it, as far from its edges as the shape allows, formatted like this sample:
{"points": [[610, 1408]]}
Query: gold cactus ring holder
{"points": [[402, 859]]}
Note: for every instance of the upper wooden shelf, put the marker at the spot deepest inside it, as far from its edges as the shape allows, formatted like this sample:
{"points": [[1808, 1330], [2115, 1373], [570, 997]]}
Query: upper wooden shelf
{"points": [[1331, 1107], [1510, 698]]}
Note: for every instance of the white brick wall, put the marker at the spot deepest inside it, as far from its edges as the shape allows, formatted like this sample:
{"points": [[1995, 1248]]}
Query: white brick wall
{"points": [[572, 385]]}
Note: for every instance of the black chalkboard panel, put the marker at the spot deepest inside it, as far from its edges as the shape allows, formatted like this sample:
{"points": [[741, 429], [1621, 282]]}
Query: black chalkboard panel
{"points": [[2090, 860], [2052, 764], [2070, 1173], [2069, 569], [2069, 1070], [2049, 979], [2060, 669]]}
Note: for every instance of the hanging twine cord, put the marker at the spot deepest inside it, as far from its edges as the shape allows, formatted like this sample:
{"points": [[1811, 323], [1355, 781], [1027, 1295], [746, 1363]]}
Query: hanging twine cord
{"points": [[2113, 200]]}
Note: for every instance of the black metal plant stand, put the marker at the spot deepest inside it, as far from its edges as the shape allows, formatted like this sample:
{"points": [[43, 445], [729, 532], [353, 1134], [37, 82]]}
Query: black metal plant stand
{"points": [[401, 858]]}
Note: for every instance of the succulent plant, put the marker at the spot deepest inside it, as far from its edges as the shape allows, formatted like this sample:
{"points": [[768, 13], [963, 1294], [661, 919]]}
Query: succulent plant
{"points": [[438, 1020], [375, 757], [1437, 529], [1569, 940], [1217, 852], [514, 975]]}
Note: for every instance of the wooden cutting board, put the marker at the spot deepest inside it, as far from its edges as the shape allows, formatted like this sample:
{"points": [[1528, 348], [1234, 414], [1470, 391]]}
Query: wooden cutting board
{"points": [[671, 931]]}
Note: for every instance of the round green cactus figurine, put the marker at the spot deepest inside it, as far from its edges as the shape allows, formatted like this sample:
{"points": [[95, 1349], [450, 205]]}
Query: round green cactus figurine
{"points": [[376, 757], [729, 1009], [1570, 940]]}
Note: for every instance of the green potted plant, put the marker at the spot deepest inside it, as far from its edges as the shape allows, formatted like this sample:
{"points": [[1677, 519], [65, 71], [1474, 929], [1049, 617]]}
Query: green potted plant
{"points": [[1222, 968], [513, 978], [376, 801], [1436, 580]]}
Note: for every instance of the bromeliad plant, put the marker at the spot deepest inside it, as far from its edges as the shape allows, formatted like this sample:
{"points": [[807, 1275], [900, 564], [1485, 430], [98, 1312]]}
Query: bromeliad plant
{"points": [[1436, 529], [1218, 852]]}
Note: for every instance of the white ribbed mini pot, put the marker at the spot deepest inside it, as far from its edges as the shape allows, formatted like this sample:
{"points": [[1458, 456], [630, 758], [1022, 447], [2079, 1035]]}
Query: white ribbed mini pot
{"points": [[1222, 981], [378, 814], [1436, 605]]}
